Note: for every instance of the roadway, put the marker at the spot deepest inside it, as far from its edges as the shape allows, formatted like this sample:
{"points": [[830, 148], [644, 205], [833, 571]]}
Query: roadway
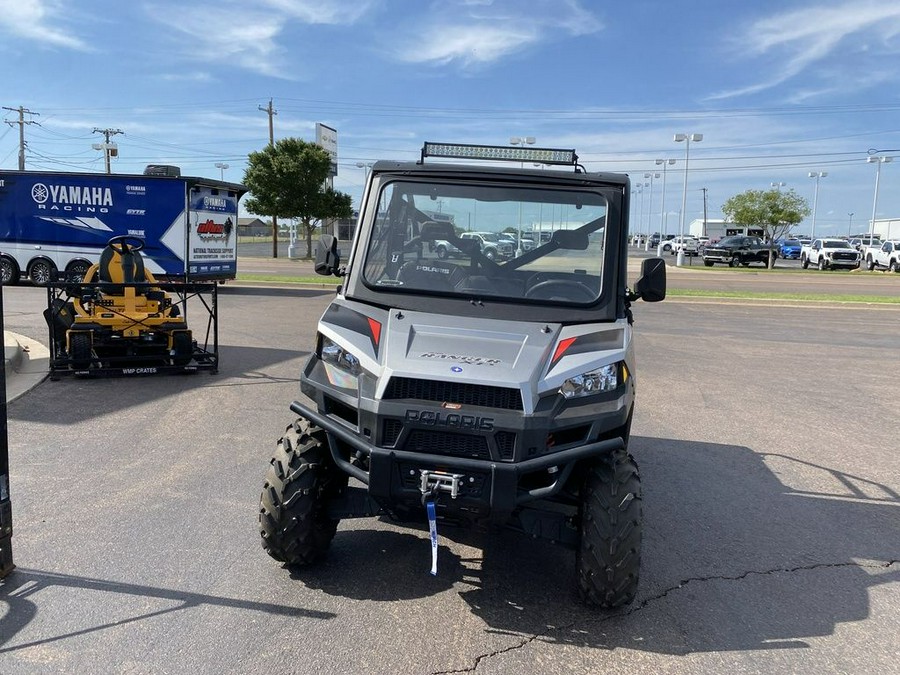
{"points": [[771, 502]]}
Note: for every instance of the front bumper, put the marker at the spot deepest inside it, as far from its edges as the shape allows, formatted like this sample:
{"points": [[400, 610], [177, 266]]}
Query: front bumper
{"points": [[487, 489]]}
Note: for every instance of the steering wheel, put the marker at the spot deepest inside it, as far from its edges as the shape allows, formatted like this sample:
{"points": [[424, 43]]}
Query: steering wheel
{"points": [[560, 289], [125, 244]]}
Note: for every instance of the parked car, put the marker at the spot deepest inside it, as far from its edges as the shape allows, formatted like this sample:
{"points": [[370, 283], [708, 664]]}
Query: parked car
{"points": [[737, 250], [492, 246], [829, 254], [689, 245], [860, 243], [887, 257], [789, 248]]}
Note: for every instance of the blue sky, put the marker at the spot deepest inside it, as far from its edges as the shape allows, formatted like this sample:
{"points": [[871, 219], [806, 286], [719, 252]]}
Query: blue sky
{"points": [[778, 89]]}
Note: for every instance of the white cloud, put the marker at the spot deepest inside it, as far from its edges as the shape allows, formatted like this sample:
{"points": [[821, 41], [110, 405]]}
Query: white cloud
{"points": [[243, 39], [805, 37], [484, 31], [36, 20], [323, 11]]}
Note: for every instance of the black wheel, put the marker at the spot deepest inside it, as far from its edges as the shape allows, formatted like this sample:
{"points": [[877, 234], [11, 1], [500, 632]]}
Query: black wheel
{"points": [[822, 266], [182, 348], [40, 272], [490, 254], [708, 263], [609, 554], [9, 272], [895, 266], [80, 350], [804, 262], [870, 264], [75, 271], [735, 261], [293, 521], [442, 252]]}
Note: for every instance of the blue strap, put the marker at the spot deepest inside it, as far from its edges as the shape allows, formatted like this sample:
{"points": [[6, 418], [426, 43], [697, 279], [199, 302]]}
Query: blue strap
{"points": [[432, 528]]}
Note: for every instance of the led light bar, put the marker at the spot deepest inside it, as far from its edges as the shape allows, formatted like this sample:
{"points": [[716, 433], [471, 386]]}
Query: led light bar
{"points": [[500, 153]]}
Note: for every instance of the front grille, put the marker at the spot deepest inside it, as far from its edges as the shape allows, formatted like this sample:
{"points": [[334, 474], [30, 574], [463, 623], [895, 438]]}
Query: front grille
{"points": [[482, 395], [443, 443], [844, 256], [391, 432], [506, 444]]}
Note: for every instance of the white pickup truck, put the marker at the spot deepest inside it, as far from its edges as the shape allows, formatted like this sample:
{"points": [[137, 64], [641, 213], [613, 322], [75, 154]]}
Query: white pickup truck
{"points": [[829, 254], [887, 256]]}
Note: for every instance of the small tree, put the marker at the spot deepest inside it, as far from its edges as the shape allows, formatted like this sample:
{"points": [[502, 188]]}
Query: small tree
{"points": [[774, 211], [287, 180]]}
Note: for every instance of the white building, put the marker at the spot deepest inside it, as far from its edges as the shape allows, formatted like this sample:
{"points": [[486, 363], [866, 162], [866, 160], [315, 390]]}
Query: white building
{"points": [[717, 228]]}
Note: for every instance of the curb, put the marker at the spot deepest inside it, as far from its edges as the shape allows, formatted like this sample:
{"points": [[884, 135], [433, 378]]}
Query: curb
{"points": [[27, 364]]}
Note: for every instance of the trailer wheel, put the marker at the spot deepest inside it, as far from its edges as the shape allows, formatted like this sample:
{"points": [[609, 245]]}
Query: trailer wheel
{"points": [[608, 557], [76, 270], [40, 272], [9, 272], [80, 350], [293, 521]]}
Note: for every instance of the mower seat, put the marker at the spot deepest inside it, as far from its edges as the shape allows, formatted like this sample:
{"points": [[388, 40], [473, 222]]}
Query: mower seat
{"points": [[115, 270]]}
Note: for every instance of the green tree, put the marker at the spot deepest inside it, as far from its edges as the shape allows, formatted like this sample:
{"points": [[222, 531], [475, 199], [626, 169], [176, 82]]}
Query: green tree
{"points": [[287, 180], [774, 211]]}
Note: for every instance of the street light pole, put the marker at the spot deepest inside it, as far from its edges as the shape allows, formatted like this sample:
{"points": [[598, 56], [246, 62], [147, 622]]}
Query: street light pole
{"points": [[779, 184], [523, 141], [877, 160], [687, 138], [651, 176], [817, 175], [850, 225], [662, 213], [221, 166]]}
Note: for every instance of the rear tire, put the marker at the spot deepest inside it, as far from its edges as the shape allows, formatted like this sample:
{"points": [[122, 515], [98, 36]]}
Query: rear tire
{"points": [[708, 263], [182, 348], [301, 479], [895, 266], [80, 350], [804, 262], [608, 557]]}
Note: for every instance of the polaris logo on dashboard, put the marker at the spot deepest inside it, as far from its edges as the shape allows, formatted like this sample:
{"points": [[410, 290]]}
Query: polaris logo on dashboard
{"points": [[428, 418], [459, 358]]}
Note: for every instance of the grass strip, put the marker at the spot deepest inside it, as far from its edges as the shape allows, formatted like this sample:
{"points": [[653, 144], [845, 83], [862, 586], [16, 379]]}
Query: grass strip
{"points": [[800, 297]]}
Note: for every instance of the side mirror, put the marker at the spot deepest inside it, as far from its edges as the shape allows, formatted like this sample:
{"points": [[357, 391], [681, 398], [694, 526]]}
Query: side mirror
{"points": [[651, 286], [327, 257]]}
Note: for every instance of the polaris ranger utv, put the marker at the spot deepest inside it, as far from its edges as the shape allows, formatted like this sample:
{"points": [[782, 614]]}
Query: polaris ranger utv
{"points": [[497, 393]]}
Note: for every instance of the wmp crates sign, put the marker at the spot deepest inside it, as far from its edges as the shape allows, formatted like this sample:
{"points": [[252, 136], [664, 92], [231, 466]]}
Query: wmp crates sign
{"points": [[212, 245]]}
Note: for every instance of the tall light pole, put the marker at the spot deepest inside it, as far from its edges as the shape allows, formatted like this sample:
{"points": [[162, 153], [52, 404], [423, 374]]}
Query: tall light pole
{"points": [[817, 175], [686, 138], [652, 176], [877, 160], [850, 225], [779, 184], [665, 163], [523, 141], [221, 166]]}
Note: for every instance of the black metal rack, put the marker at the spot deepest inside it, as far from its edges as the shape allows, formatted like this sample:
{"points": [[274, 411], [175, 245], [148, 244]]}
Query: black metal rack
{"points": [[205, 356]]}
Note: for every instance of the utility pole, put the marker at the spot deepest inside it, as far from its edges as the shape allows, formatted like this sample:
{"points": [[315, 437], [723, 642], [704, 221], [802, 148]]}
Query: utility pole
{"points": [[705, 211], [21, 122], [272, 112], [109, 149]]}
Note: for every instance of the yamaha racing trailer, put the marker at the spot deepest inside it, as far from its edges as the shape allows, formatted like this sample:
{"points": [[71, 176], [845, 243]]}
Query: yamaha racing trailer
{"points": [[476, 392]]}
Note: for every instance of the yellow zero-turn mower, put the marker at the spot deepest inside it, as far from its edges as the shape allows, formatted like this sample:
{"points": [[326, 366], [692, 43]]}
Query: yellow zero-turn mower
{"points": [[117, 317]]}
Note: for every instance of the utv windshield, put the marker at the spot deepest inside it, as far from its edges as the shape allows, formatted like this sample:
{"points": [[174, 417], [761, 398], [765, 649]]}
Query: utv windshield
{"points": [[479, 240]]}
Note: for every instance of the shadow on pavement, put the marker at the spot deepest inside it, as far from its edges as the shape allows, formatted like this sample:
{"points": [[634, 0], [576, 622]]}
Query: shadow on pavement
{"points": [[16, 589]]}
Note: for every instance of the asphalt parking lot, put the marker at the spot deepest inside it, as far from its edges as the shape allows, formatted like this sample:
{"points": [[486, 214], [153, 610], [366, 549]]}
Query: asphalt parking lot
{"points": [[771, 497]]}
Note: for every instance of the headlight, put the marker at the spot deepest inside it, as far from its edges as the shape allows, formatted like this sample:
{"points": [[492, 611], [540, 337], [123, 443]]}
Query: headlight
{"points": [[597, 381], [334, 354], [341, 367]]}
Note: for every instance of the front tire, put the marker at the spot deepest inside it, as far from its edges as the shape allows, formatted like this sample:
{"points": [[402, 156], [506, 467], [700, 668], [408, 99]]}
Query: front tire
{"points": [[442, 252], [609, 555], [822, 265], [735, 261], [895, 266], [708, 263], [301, 479], [80, 350], [804, 262], [870, 264]]}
